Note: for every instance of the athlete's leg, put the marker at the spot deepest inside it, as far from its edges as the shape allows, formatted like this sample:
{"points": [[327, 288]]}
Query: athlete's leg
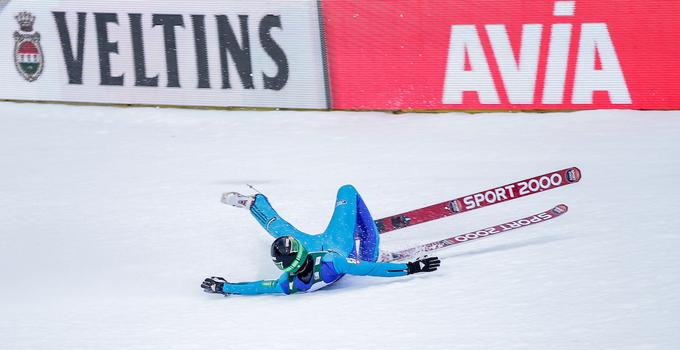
{"points": [[339, 235], [276, 226], [367, 232], [352, 222]]}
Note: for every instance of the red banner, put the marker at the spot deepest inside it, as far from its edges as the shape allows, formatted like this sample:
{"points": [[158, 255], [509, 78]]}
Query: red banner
{"points": [[499, 55]]}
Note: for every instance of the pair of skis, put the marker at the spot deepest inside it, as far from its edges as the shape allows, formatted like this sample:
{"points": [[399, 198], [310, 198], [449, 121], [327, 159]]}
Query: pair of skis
{"points": [[478, 200]]}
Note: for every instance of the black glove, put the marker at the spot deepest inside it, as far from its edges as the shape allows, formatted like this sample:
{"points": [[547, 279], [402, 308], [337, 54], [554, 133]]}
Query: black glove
{"points": [[214, 285], [424, 264]]}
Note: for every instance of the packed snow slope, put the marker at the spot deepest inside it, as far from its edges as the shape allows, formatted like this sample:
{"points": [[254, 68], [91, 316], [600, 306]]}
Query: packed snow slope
{"points": [[110, 219]]}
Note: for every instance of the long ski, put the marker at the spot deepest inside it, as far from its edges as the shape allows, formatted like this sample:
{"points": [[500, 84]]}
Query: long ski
{"points": [[481, 199], [475, 235]]}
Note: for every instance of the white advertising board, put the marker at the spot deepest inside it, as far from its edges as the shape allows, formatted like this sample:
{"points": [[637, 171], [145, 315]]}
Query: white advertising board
{"points": [[243, 53]]}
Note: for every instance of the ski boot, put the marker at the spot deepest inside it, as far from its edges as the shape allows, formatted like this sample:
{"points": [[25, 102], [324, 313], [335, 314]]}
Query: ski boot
{"points": [[237, 200]]}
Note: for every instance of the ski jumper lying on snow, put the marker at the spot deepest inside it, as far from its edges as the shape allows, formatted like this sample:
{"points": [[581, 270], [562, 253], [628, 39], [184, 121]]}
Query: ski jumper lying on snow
{"points": [[350, 245]]}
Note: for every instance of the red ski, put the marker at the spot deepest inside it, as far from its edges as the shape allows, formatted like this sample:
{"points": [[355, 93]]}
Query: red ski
{"points": [[482, 199], [475, 235]]}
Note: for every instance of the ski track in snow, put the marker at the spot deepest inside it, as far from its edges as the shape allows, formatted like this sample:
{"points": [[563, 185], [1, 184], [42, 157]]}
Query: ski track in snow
{"points": [[111, 219]]}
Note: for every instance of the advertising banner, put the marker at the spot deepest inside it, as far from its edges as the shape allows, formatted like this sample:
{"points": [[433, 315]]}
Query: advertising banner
{"points": [[253, 53], [503, 55]]}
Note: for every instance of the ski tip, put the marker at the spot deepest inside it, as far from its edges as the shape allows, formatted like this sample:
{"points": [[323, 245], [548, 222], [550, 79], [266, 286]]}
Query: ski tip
{"points": [[574, 174], [560, 209]]}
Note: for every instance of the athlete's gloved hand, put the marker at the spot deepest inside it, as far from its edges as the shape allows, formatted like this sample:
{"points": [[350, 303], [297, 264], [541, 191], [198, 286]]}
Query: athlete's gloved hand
{"points": [[424, 264], [214, 285]]}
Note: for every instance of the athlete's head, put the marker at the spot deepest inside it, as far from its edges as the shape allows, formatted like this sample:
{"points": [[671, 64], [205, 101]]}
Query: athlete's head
{"points": [[288, 253]]}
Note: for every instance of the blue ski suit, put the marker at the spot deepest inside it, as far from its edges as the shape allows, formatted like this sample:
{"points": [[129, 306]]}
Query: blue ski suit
{"points": [[349, 245]]}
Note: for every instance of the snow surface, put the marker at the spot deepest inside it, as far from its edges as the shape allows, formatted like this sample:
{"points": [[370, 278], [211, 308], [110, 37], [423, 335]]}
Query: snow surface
{"points": [[110, 219]]}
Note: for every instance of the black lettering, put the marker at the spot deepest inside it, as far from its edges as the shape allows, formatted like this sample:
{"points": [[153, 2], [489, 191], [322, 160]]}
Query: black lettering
{"points": [[169, 22], [74, 65], [106, 48], [138, 51], [239, 53], [275, 52], [201, 51]]}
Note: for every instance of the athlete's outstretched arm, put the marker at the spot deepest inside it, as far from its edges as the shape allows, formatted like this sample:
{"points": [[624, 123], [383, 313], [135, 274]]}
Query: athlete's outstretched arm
{"points": [[382, 269], [221, 286]]}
